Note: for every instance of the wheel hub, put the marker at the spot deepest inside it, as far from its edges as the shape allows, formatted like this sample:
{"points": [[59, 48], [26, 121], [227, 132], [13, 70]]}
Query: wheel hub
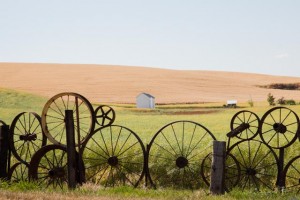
{"points": [[251, 171], [28, 137], [113, 161], [280, 128], [58, 172], [181, 162]]}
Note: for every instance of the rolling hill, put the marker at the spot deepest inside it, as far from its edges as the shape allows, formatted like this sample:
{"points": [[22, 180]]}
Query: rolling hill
{"points": [[121, 84]]}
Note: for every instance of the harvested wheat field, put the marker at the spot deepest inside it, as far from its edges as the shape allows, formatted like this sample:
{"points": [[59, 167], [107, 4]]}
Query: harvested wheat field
{"points": [[121, 84]]}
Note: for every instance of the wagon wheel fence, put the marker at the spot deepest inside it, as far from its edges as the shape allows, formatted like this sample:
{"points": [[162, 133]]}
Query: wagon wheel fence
{"points": [[63, 148]]}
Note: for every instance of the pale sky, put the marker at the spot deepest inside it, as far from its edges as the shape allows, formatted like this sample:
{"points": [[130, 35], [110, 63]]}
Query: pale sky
{"points": [[259, 36]]}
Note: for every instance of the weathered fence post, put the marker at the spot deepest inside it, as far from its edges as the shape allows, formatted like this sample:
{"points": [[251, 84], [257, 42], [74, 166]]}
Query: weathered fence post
{"points": [[217, 181], [71, 151], [4, 151]]}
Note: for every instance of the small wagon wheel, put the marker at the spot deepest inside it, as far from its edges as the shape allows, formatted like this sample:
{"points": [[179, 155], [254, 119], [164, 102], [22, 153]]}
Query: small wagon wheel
{"points": [[258, 164], [292, 174], [250, 122], [18, 172], [48, 166], [176, 152], [105, 115], [279, 127], [26, 136], [53, 117], [113, 155], [232, 171]]}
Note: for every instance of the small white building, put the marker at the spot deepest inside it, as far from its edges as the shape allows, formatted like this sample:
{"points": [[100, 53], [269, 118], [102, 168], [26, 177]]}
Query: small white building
{"points": [[145, 100]]}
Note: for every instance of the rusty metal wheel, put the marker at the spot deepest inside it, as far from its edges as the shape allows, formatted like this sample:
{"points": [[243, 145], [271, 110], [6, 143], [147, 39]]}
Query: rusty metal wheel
{"points": [[292, 174], [247, 119], [105, 115], [48, 166], [18, 173], [53, 117], [26, 136], [258, 164], [113, 156], [232, 171], [175, 155], [279, 127]]}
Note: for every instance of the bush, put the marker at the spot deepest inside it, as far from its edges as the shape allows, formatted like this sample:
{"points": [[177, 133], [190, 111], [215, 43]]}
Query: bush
{"points": [[271, 99], [281, 101], [290, 102]]}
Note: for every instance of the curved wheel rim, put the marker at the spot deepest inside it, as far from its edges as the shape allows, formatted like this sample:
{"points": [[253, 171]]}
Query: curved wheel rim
{"points": [[48, 166], [26, 136], [232, 171], [279, 127], [113, 155], [18, 172], [176, 152], [292, 174], [2, 123], [249, 118], [105, 115], [53, 117], [258, 165]]}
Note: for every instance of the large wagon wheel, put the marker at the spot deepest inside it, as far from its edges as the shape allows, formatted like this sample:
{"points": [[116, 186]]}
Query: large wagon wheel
{"points": [[258, 164], [232, 171], [292, 174], [176, 152], [247, 119], [279, 127], [53, 117], [26, 136], [18, 172], [105, 115], [113, 155], [48, 166]]}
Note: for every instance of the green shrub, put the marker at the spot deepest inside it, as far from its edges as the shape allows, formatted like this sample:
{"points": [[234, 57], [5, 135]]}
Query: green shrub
{"points": [[290, 102], [271, 99], [281, 101]]}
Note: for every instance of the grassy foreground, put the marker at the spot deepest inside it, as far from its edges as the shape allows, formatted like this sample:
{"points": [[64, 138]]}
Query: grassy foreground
{"points": [[28, 191], [145, 123]]}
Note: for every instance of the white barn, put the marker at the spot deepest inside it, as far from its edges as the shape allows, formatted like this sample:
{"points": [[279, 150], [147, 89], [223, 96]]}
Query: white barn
{"points": [[145, 100]]}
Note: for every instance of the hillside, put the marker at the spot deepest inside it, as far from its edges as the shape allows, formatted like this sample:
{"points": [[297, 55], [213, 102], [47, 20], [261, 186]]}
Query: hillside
{"points": [[121, 84]]}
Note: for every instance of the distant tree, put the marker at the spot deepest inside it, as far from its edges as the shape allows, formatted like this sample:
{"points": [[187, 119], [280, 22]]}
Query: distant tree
{"points": [[271, 99], [281, 101]]}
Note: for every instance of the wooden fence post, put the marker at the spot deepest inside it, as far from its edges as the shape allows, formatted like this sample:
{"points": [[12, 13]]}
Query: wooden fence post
{"points": [[4, 151], [217, 180], [71, 151]]}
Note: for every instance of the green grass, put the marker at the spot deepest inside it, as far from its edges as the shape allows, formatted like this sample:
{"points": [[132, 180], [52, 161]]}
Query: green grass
{"points": [[145, 123]]}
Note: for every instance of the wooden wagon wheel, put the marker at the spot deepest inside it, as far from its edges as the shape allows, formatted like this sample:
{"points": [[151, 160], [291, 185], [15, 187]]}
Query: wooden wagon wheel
{"points": [[175, 155], [48, 166], [292, 174], [279, 127], [258, 165], [232, 171], [18, 172], [113, 155], [105, 115], [248, 120], [53, 117], [26, 136]]}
